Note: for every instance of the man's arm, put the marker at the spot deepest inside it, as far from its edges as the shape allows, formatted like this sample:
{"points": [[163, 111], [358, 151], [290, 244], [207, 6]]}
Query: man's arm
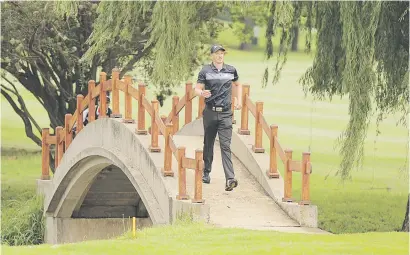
{"points": [[199, 87], [238, 96]]}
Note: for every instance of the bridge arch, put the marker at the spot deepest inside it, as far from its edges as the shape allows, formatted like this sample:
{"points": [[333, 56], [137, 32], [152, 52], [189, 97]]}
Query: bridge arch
{"points": [[103, 143]]}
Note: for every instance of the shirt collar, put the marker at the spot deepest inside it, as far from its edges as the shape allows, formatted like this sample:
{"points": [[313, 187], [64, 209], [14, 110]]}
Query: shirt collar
{"points": [[214, 67]]}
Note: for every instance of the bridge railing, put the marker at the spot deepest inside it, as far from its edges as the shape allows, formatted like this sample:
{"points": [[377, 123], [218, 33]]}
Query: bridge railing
{"points": [[63, 136], [290, 165], [168, 126]]}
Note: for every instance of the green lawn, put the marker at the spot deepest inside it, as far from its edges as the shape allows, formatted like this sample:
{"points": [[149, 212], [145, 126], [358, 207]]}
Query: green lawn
{"points": [[201, 239]]}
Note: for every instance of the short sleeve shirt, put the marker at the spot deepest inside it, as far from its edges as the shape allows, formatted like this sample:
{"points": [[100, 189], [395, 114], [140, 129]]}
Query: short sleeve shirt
{"points": [[219, 83]]}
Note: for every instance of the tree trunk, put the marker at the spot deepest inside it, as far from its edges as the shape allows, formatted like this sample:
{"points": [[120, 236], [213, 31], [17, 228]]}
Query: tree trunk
{"points": [[405, 226], [249, 24], [295, 32]]}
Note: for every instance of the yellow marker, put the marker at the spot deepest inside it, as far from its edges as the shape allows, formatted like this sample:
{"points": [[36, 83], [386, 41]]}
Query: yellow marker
{"points": [[133, 226]]}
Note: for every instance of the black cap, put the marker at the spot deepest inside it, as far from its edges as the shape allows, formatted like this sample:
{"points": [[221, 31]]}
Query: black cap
{"points": [[216, 47]]}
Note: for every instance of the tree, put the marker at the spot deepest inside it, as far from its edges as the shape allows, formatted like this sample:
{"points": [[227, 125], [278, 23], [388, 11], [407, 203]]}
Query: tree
{"points": [[42, 51], [176, 33], [362, 52], [244, 19], [53, 48]]}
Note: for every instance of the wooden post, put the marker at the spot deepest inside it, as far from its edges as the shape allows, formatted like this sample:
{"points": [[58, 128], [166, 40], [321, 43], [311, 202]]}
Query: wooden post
{"points": [[273, 167], [154, 128], [68, 134], [45, 155], [103, 96], [181, 175], [91, 103], [128, 100], [201, 106], [198, 177], [167, 171], [234, 95], [188, 102], [244, 113], [80, 113], [141, 111], [59, 147], [306, 169], [257, 147], [115, 93], [288, 178], [175, 115]]}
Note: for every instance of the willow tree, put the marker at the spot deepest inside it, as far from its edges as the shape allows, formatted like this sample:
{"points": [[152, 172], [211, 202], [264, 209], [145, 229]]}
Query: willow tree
{"points": [[174, 35], [53, 48], [362, 52]]}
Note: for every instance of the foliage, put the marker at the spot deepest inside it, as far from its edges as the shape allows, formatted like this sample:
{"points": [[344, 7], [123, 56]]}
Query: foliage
{"points": [[41, 53], [170, 38], [280, 17], [246, 16], [22, 221], [360, 62], [43, 50], [362, 52], [179, 38]]}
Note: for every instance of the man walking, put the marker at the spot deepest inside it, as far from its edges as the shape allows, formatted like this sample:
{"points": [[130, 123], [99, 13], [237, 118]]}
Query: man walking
{"points": [[215, 85]]}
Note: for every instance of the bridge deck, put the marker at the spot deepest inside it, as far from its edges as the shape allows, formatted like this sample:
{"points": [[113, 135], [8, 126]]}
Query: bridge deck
{"points": [[247, 206]]}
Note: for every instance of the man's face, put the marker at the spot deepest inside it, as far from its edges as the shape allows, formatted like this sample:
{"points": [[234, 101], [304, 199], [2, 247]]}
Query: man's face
{"points": [[218, 57]]}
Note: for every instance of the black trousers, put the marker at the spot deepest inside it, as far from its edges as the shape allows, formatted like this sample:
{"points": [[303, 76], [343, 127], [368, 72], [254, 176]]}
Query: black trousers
{"points": [[221, 123]]}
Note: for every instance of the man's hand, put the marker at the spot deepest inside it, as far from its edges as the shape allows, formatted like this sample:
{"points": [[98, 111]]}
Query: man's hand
{"points": [[237, 103], [206, 93]]}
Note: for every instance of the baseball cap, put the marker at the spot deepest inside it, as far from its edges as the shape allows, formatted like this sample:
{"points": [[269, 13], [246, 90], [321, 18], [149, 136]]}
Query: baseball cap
{"points": [[216, 47]]}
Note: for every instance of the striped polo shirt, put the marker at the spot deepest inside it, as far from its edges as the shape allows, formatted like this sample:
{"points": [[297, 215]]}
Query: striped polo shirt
{"points": [[219, 83]]}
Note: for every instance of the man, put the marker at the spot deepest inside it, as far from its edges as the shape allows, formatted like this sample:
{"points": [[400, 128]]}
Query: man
{"points": [[215, 82]]}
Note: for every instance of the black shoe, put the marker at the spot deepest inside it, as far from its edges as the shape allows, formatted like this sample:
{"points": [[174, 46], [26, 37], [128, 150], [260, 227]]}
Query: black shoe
{"points": [[206, 178], [231, 184]]}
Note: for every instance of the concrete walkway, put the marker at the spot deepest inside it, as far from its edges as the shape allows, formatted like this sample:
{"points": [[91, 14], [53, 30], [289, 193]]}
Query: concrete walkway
{"points": [[247, 206]]}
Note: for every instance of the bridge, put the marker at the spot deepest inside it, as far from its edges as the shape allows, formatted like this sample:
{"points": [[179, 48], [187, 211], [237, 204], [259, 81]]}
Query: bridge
{"points": [[115, 174]]}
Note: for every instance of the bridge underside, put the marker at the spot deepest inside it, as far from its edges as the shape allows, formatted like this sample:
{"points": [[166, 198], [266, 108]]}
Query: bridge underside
{"points": [[111, 195], [105, 210]]}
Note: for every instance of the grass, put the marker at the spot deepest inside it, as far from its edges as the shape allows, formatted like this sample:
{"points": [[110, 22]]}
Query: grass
{"points": [[202, 239], [21, 217]]}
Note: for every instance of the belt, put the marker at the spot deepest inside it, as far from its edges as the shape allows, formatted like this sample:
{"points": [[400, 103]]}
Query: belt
{"points": [[218, 108]]}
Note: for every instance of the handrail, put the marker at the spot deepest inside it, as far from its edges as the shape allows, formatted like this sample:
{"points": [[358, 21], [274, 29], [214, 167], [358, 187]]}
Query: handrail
{"points": [[169, 125], [160, 124], [147, 105], [290, 165], [251, 106], [179, 107], [134, 92]]}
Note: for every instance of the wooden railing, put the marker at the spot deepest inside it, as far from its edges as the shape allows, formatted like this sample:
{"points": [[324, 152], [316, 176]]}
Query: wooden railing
{"points": [[168, 126], [290, 165]]}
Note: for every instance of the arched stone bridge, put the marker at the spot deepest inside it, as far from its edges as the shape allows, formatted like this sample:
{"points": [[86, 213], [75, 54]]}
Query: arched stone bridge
{"points": [[114, 170]]}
